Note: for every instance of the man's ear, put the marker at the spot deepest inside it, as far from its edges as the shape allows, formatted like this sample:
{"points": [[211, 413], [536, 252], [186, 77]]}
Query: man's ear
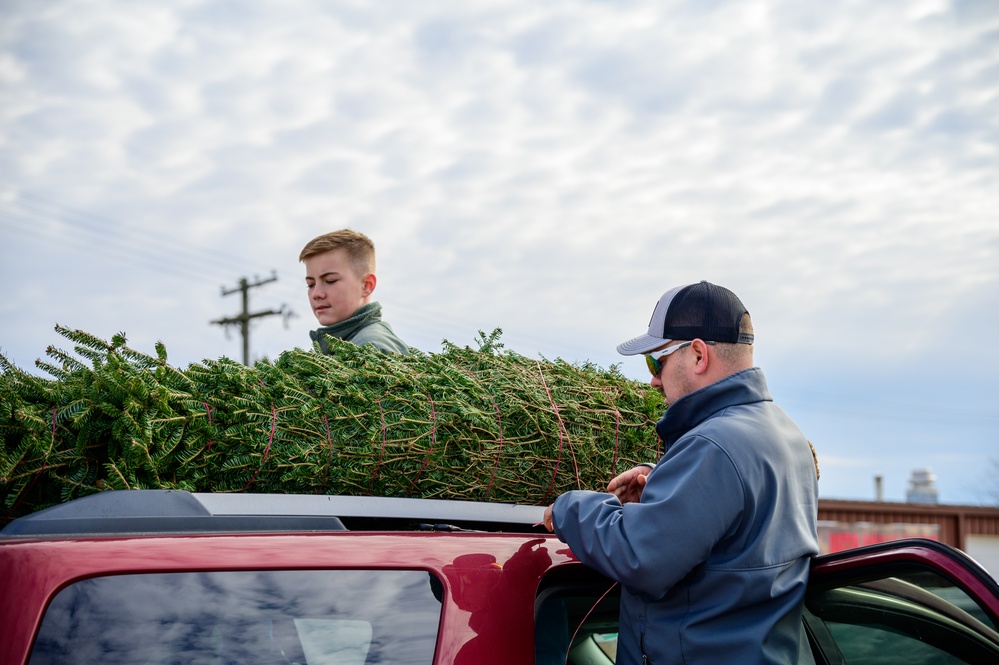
{"points": [[699, 350], [368, 283]]}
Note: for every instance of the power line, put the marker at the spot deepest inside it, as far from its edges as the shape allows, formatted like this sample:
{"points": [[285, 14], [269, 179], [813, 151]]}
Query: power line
{"points": [[91, 237], [33, 216]]}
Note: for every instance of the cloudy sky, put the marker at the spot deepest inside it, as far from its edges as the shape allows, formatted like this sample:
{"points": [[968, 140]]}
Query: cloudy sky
{"points": [[548, 168]]}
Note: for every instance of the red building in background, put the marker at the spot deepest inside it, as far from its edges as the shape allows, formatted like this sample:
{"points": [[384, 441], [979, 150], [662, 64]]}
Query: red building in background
{"points": [[973, 529]]}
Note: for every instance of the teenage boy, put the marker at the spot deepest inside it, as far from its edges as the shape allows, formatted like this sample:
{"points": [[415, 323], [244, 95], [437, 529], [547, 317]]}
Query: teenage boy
{"points": [[340, 275]]}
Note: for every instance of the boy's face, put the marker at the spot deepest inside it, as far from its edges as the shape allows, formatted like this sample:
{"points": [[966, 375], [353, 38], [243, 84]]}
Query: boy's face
{"points": [[336, 291]]}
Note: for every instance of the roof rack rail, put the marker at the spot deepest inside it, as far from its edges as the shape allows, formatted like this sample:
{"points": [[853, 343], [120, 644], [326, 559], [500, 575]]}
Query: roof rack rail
{"points": [[116, 512]]}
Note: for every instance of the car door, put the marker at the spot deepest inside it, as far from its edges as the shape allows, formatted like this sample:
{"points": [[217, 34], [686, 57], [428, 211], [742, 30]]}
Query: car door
{"points": [[913, 601]]}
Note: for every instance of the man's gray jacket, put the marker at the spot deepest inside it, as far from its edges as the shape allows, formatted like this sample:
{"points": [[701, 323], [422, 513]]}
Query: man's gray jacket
{"points": [[714, 559]]}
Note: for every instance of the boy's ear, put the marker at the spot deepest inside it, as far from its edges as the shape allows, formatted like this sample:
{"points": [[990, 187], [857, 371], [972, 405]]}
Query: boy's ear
{"points": [[368, 283]]}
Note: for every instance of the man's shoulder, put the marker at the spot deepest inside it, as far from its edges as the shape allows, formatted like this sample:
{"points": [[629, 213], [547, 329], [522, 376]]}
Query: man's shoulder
{"points": [[380, 335]]}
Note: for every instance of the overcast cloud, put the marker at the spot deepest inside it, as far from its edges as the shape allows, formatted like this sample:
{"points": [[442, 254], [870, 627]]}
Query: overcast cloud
{"points": [[548, 168]]}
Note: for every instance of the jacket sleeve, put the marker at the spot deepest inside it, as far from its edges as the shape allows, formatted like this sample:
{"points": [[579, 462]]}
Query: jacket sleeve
{"points": [[693, 499]]}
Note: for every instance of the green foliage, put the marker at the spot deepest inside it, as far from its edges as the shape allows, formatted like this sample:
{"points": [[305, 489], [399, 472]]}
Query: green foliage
{"points": [[482, 424]]}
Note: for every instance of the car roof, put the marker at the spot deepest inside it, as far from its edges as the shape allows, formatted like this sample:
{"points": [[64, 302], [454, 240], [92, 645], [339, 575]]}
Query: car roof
{"points": [[117, 512]]}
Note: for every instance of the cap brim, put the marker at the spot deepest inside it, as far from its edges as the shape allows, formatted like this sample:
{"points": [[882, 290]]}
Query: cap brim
{"points": [[641, 345]]}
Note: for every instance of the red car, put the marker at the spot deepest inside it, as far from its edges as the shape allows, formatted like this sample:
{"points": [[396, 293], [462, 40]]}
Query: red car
{"points": [[158, 577]]}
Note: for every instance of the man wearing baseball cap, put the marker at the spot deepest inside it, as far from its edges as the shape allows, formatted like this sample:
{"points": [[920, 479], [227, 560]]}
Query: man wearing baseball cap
{"points": [[712, 544]]}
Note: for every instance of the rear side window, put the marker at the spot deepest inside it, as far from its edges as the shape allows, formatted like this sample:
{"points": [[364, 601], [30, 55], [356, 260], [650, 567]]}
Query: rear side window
{"points": [[311, 617], [576, 618]]}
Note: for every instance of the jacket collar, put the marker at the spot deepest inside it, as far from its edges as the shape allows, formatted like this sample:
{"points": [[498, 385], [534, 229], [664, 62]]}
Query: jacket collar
{"points": [[743, 387], [346, 329]]}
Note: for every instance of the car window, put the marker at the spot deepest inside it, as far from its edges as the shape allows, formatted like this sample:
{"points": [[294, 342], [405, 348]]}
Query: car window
{"points": [[576, 619], [943, 588], [311, 617], [904, 616]]}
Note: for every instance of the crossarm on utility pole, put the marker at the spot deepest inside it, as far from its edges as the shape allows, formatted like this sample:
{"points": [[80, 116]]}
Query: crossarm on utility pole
{"points": [[245, 316]]}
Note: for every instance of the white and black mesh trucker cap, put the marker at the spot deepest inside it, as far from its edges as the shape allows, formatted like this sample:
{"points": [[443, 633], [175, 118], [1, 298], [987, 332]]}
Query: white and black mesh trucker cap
{"points": [[692, 311]]}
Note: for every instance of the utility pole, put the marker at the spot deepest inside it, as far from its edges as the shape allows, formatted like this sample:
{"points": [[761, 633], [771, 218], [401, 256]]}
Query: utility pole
{"points": [[244, 317]]}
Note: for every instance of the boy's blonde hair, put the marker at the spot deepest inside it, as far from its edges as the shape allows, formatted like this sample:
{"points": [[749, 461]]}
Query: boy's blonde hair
{"points": [[359, 248]]}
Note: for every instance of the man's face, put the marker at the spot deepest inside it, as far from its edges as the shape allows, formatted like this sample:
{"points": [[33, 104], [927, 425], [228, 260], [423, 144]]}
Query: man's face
{"points": [[672, 380], [335, 290]]}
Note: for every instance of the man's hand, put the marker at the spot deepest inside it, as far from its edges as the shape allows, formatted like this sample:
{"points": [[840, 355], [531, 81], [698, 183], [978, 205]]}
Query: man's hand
{"points": [[547, 521], [628, 486]]}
